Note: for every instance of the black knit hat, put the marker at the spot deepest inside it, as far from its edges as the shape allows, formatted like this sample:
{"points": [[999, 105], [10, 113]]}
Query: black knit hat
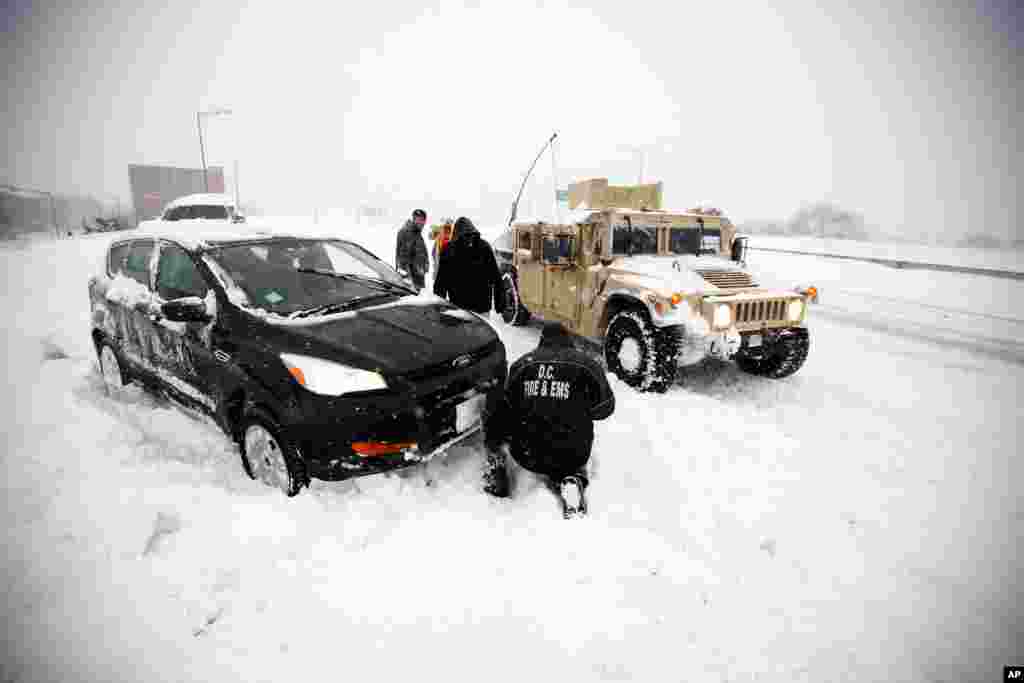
{"points": [[419, 213], [555, 334]]}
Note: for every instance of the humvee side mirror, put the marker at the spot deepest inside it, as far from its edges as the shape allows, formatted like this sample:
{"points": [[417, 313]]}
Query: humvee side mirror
{"points": [[739, 249]]}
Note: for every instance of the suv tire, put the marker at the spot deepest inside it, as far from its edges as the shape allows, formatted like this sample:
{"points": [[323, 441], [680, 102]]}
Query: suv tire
{"points": [[781, 358], [513, 311], [112, 370], [639, 354], [269, 457]]}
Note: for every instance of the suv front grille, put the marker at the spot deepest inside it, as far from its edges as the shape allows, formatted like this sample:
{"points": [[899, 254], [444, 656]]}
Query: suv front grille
{"points": [[446, 367], [766, 310], [728, 279]]}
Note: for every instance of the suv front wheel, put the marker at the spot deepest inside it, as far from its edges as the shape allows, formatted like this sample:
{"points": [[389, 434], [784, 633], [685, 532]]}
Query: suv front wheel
{"points": [[639, 354], [269, 457]]}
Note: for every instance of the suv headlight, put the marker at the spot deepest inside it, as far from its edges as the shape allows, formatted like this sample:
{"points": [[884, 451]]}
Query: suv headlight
{"points": [[327, 378], [723, 315], [795, 309]]}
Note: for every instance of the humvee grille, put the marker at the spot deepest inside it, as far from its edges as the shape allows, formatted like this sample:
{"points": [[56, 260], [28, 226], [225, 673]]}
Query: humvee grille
{"points": [[760, 311], [728, 279]]}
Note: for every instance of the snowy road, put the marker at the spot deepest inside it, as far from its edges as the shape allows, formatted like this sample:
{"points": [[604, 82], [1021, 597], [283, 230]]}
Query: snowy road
{"points": [[861, 520]]}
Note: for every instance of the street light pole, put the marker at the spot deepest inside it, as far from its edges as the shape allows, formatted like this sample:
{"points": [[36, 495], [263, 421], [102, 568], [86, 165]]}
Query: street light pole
{"points": [[202, 151]]}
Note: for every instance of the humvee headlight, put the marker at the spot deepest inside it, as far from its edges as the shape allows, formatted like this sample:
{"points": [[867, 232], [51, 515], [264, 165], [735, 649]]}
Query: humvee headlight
{"points": [[723, 315], [664, 307], [795, 309]]}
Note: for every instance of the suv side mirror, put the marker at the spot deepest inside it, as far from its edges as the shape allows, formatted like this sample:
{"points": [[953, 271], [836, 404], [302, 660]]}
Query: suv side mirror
{"points": [[739, 249], [187, 309]]}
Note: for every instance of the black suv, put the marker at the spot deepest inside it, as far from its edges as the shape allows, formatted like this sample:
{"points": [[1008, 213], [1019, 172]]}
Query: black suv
{"points": [[311, 353]]}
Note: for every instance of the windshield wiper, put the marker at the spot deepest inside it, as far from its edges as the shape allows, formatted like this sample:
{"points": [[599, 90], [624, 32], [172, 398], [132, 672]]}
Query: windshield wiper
{"points": [[378, 283], [337, 307]]}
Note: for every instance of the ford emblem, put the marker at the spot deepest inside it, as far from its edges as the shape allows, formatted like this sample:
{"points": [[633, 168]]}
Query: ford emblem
{"points": [[462, 361]]}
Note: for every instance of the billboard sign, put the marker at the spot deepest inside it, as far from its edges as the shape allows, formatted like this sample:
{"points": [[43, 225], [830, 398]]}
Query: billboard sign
{"points": [[153, 187]]}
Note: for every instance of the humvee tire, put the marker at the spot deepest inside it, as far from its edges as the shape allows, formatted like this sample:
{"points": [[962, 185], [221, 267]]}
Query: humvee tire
{"points": [[513, 312], [781, 358], [639, 354]]}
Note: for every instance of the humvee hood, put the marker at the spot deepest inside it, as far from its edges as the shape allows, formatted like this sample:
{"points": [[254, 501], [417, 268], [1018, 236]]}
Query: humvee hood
{"points": [[674, 273]]}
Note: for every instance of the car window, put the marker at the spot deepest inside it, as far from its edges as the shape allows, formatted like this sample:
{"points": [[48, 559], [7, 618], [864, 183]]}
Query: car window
{"points": [[209, 212], [172, 215], [558, 249], [286, 275], [137, 262], [177, 275], [116, 258], [345, 262]]}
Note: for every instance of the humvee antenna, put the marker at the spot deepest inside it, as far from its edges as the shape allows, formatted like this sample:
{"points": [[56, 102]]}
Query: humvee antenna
{"points": [[515, 204]]}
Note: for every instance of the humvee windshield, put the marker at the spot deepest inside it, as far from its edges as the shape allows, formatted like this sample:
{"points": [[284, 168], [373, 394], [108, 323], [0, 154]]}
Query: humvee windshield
{"points": [[635, 239], [688, 240]]}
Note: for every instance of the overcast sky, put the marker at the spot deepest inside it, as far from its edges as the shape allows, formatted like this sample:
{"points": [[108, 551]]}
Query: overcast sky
{"points": [[908, 116]]}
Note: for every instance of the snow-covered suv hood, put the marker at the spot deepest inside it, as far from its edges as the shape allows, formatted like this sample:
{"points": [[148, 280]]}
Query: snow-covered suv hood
{"points": [[674, 273]]}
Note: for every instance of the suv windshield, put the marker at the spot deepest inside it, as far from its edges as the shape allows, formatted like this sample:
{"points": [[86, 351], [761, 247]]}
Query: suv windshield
{"points": [[293, 275]]}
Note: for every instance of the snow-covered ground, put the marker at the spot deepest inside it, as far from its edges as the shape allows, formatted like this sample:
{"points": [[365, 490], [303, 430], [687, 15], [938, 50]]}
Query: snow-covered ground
{"points": [[861, 520]]}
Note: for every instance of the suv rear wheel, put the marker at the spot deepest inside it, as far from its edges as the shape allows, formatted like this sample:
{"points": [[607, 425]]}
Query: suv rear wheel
{"points": [[513, 312], [269, 457], [781, 358], [112, 372], [639, 354]]}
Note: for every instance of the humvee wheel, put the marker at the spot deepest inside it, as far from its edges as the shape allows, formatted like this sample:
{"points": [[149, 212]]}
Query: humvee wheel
{"points": [[781, 358], [639, 354], [513, 312]]}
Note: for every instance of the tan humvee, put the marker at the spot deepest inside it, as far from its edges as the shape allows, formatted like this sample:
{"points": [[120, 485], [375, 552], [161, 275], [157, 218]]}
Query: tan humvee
{"points": [[657, 289]]}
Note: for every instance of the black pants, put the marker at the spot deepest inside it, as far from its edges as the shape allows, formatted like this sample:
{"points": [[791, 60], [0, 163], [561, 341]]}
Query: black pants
{"points": [[553, 463]]}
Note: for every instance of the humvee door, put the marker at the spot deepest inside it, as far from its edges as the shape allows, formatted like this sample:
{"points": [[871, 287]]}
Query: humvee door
{"points": [[562, 279], [549, 278]]}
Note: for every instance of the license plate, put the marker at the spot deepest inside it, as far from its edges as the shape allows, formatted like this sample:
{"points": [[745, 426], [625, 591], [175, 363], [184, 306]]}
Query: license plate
{"points": [[754, 340], [468, 413]]}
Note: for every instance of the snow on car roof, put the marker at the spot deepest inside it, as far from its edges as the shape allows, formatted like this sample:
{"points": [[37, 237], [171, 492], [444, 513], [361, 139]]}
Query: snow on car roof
{"points": [[195, 234], [207, 199]]}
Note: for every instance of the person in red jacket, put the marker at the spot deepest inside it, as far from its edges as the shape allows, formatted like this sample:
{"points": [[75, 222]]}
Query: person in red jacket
{"points": [[552, 397]]}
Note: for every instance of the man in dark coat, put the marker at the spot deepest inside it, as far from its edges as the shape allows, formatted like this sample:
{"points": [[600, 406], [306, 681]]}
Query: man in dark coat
{"points": [[468, 274], [410, 251], [552, 396]]}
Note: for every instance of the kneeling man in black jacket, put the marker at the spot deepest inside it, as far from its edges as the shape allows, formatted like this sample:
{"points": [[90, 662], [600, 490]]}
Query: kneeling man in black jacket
{"points": [[552, 397]]}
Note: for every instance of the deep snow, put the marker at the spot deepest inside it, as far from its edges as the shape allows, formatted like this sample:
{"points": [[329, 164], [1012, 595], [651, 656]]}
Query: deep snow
{"points": [[860, 520]]}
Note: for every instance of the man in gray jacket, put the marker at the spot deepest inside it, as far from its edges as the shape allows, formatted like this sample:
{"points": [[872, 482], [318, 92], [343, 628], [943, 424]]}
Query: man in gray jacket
{"points": [[410, 251]]}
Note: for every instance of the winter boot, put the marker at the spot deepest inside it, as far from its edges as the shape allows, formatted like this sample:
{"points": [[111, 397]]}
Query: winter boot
{"points": [[495, 475], [574, 503]]}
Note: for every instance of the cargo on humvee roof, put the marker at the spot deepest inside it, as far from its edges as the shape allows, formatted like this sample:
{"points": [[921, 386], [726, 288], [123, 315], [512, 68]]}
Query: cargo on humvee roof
{"points": [[657, 289]]}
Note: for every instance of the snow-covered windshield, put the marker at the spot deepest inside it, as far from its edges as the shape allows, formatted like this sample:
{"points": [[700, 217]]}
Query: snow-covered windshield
{"points": [[292, 275]]}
